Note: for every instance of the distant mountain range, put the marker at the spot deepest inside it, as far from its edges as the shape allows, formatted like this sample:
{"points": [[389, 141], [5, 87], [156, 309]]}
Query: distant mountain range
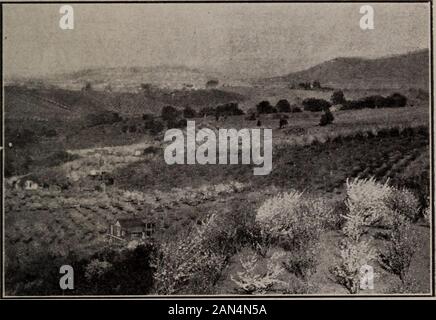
{"points": [[405, 70], [399, 71], [128, 78]]}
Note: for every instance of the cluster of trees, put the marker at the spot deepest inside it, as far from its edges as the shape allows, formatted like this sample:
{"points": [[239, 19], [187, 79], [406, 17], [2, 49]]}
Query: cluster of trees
{"points": [[395, 100], [172, 117], [315, 105], [265, 107], [229, 109], [282, 106], [106, 272]]}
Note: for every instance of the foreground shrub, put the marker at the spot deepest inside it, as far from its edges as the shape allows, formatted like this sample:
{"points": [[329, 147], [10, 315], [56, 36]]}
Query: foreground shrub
{"points": [[378, 202], [295, 224], [365, 206], [188, 264], [367, 198], [404, 202], [369, 202], [402, 245], [302, 263], [253, 280], [353, 255]]}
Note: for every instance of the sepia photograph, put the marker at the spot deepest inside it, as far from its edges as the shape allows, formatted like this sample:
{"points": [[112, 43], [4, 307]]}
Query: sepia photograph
{"points": [[188, 149]]}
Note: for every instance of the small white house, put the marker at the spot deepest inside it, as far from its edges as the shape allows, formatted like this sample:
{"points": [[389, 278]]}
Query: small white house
{"points": [[30, 185]]}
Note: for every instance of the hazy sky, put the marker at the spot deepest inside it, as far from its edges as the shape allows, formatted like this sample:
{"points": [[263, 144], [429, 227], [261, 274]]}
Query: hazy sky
{"points": [[237, 39]]}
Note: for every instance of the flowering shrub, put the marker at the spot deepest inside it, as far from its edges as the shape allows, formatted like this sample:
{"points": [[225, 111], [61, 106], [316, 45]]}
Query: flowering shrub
{"points": [[401, 248], [376, 202], [291, 218], [302, 263], [404, 202], [295, 223], [369, 202], [188, 261], [367, 198], [366, 205], [252, 280], [353, 255], [354, 226]]}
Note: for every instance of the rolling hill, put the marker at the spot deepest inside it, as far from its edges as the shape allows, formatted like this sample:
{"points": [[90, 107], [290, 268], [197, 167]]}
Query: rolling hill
{"points": [[55, 103], [410, 70]]}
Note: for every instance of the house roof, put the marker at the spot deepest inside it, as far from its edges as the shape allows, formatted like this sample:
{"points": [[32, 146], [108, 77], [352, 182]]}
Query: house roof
{"points": [[130, 223]]}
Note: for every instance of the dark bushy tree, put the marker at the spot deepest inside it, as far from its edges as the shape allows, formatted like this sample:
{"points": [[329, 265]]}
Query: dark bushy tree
{"points": [[265, 107], [229, 109], [326, 118], [338, 97], [283, 106], [189, 113], [314, 104], [169, 113], [396, 100], [176, 123]]}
